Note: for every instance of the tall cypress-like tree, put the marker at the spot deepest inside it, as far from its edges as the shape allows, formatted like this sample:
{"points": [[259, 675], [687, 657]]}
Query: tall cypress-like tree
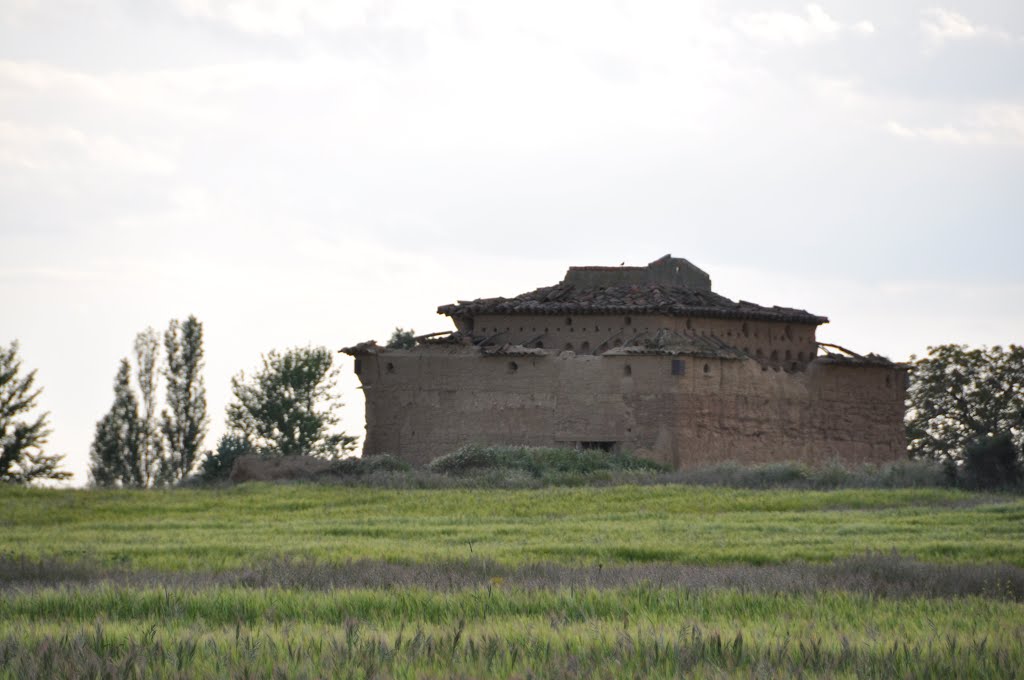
{"points": [[116, 453], [185, 420], [151, 451]]}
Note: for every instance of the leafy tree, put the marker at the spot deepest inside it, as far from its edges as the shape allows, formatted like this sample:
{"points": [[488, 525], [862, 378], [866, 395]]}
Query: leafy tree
{"points": [[962, 397], [21, 441], [185, 421], [151, 451], [117, 447], [402, 339], [289, 407]]}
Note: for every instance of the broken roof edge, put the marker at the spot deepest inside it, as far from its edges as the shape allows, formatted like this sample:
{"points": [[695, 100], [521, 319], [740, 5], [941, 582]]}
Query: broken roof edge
{"points": [[839, 355], [468, 310], [362, 349]]}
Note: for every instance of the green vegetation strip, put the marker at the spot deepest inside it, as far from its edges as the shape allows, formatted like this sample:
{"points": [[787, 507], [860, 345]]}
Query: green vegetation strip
{"points": [[232, 528], [634, 632]]}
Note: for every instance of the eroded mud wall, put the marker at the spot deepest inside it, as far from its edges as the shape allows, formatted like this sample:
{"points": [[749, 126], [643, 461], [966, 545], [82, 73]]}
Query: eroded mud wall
{"points": [[427, 402]]}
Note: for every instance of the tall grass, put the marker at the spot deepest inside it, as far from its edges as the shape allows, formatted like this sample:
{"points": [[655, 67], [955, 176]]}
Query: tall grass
{"points": [[882, 575], [638, 632], [204, 530], [314, 581]]}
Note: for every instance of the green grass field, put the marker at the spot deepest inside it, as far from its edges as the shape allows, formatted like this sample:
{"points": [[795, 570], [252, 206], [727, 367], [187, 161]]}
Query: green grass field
{"points": [[220, 529], [656, 581]]}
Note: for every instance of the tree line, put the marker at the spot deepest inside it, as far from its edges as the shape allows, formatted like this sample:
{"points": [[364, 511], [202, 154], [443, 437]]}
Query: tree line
{"points": [[287, 406], [965, 410]]}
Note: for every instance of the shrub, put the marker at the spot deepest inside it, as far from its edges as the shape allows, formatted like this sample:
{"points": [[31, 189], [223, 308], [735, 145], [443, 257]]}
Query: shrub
{"points": [[537, 461], [368, 465], [217, 466], [991, 463]]}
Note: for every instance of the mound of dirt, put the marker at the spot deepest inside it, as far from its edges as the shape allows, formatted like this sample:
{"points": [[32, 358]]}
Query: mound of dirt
{"points": [[274, 468]]}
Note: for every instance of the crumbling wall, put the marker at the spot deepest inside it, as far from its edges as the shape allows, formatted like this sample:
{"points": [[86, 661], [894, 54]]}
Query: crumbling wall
{"points": [[429, 401]]}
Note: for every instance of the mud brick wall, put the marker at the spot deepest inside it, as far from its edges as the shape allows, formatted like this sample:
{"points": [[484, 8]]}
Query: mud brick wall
{"points": [[427, 402]]}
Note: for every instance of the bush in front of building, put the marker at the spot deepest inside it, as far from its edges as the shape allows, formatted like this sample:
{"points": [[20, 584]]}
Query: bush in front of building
{"points": [[369, 465], [538, 461]]}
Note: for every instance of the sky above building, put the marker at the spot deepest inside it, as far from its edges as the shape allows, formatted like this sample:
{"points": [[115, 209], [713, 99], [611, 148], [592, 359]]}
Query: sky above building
{"points": [[315, 172]]}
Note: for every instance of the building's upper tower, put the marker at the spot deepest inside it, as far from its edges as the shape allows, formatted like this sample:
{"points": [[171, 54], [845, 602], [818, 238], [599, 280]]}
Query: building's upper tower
{"points": [[666, 271]]}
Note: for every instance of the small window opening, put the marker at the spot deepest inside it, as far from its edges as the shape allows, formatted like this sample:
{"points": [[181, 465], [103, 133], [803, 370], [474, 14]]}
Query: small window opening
{"points": [[775, 355], [746, 330], [390, 367], [628, 320], [585, 347], [568, 347], [689, 324], [794, 366], [359, 365], [888, 381], [627, 370], [678, 367], [759, 353], [540, 345], [707, 368], [513, 367], [789, 355], [788, 333], [568, 321], [800, 356]]}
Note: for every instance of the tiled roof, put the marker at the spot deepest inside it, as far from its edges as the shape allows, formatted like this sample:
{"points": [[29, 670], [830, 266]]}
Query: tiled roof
{"points": [[647, 298]]}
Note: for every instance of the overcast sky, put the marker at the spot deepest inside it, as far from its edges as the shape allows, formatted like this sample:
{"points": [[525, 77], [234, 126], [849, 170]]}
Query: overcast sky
{"points": [[321, 172]]}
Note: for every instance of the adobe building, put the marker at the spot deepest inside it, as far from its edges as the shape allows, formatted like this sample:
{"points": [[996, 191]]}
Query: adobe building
{"points": [[642, 359]]}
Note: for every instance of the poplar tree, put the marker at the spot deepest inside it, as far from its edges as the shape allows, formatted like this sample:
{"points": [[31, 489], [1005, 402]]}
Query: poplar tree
{"points": [[184, 421], [116, 453], [151, 446]]}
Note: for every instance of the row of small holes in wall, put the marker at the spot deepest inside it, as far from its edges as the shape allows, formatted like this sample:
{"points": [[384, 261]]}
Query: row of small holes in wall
{"points": [[585, 347], [775, 354], [787, 333], [678, 365], [678, 368]]}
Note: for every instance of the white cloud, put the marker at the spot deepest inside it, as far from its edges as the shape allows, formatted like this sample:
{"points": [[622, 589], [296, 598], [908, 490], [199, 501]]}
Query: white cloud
{"points": [[994, 124], [865, 27], [943, 25], [276, 17], [67, 148], [815, 25]]}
